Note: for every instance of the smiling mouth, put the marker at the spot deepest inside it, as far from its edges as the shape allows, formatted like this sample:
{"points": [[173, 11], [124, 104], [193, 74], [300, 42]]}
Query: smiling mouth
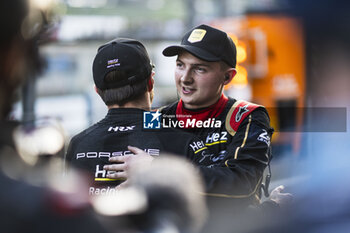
{"points": [[186, 90]]}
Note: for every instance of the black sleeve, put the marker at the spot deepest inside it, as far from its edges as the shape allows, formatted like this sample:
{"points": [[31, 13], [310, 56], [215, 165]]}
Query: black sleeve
{"points": [[240, 173]]}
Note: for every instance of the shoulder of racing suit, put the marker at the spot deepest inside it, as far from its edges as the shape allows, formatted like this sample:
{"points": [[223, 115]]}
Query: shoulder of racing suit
{"points": [[240, 110]]}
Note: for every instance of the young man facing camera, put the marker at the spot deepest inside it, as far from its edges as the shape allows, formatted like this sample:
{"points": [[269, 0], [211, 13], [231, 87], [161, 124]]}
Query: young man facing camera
{"points": [[240, 147]]}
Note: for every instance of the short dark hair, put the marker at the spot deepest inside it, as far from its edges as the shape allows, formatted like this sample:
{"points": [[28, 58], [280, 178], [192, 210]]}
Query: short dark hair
{"points": [[224, 66], [122, 95]]}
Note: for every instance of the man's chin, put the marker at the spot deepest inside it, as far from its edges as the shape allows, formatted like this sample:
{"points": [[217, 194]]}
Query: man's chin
{"points": [[186, 100], [189, 104]]}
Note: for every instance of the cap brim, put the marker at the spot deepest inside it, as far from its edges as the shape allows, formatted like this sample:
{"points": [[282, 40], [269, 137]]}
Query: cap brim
{"points": [[197, 52]]}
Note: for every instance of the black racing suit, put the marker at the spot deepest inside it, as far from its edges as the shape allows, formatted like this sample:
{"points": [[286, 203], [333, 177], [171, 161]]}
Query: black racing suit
{"points": [[91, 149], [234, 168]]}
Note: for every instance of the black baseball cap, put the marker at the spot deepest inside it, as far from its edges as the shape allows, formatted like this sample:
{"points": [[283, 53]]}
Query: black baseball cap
{"points": [[206, 43], [122, 54]]}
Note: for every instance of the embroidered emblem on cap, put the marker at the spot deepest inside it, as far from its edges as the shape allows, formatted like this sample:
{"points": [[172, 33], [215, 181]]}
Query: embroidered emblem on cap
{"points": [[112, 63], [196, 35]]}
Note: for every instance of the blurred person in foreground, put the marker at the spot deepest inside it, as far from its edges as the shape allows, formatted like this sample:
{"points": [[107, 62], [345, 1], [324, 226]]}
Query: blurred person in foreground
{"points": [[123, 76], [23, 207], [163, 197]]}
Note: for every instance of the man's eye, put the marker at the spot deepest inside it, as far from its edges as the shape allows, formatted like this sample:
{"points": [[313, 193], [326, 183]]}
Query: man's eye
{"points": [[200, 69], [178, 64]]}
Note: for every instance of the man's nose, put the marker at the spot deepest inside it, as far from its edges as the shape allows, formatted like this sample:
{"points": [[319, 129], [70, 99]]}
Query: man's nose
{"points": [[187, 77]]}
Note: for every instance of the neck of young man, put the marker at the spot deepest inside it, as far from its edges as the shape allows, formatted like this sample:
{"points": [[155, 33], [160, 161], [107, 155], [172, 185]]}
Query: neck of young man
{"points": [[143, 103], [202, 106]]}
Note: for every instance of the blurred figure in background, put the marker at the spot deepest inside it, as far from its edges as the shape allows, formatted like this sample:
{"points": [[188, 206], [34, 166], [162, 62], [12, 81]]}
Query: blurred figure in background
{"points": [[164, 197], [322, 201], [322, 198], [23, 207]]}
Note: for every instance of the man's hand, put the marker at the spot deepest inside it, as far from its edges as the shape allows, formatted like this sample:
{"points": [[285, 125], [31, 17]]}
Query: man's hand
{"points": [[123, 164], [280, 198]]}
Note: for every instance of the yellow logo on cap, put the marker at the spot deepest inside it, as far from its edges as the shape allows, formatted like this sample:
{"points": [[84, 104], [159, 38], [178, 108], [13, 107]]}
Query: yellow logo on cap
{"points": [[196, 35]]}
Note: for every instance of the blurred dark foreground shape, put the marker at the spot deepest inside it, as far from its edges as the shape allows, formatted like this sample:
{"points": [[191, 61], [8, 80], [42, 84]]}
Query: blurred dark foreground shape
{"points": [[26, 207]]}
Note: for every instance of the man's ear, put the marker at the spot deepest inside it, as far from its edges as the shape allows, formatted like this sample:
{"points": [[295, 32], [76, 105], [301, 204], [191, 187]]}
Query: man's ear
{"points": [[151, 82], [229, 75]]}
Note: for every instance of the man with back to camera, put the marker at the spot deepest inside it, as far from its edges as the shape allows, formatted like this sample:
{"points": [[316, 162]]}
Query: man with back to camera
{"points": [[240, 146], [123, 77]]}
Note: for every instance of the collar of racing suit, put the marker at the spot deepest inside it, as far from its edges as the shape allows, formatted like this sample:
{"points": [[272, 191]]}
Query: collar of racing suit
{"points": [[212, 111], [114, 111]]}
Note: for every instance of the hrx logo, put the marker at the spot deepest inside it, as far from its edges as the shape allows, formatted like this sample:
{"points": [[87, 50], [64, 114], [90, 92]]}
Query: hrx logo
{"points": [[151, 120]]}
